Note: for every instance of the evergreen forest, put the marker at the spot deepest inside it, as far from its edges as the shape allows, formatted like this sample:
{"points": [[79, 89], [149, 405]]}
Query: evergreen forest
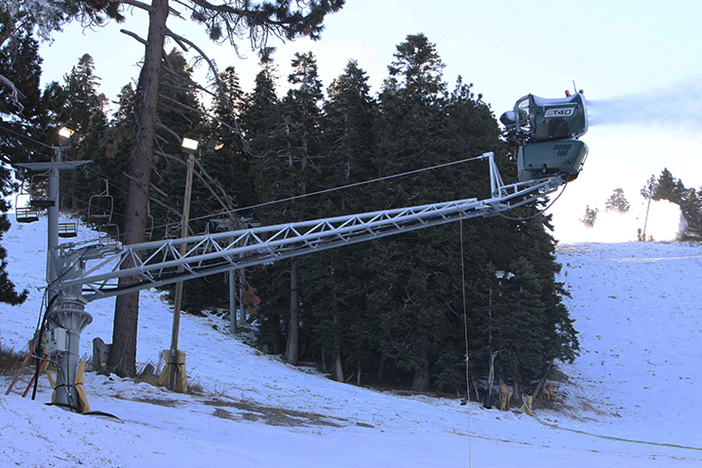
{"points": [[411, 311]]}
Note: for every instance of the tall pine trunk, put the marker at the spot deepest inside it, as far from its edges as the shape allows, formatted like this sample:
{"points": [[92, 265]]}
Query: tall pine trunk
{"points": [[124, 333], [517, 394], [422, 376], [338, 368], [291, 352]]}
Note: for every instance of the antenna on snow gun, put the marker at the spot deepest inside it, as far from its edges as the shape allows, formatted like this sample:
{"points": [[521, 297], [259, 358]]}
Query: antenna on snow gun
{"points": [[549, 130]]}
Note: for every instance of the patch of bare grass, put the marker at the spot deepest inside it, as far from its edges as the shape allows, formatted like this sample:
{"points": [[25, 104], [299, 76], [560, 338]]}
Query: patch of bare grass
{"points": [[10, 360], [273, 416], [168, 403], [147, 374]]}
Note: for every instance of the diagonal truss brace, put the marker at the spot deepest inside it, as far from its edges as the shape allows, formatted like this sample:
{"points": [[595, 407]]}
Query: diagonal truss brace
{"points": [[159, 263]]}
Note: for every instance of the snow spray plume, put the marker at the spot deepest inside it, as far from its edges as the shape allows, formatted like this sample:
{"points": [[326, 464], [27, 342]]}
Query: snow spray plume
{"points": [[676, 106]]}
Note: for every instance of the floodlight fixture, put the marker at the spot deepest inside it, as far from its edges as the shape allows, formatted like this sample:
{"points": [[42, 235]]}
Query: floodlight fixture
{"points": [[189, 145], [65, 135], [215, 145], [69, 137]]}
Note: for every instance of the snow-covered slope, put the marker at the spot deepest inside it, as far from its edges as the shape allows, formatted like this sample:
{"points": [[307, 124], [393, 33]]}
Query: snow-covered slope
{"points": [[639, 314], [635, 304]]}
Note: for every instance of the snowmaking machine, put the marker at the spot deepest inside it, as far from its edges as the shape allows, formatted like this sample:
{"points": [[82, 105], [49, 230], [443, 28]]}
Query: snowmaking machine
{"points": [[548, 132]]}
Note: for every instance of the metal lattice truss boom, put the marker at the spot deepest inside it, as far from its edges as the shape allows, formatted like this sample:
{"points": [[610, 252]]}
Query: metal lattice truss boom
{"points": [[130, 268]]}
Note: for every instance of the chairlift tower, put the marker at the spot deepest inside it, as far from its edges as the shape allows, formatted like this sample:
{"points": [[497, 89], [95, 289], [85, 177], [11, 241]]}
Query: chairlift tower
{"points": [[66, 311]]}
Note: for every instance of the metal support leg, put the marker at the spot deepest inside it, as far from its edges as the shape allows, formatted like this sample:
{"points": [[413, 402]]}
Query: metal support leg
{"points": [[69, 313]]}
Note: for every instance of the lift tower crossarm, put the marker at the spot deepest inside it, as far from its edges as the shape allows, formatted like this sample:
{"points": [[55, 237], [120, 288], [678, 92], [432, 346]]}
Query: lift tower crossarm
{"points": [[160, 263]]}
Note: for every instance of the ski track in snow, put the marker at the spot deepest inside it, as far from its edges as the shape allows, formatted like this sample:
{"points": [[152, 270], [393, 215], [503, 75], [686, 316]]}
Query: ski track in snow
{"points": [[635, 305]]}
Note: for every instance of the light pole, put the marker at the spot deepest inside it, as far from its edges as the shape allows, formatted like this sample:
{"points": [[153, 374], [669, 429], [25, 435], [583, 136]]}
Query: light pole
{"points": [[499, 274], [190, 148], [176, 380]]}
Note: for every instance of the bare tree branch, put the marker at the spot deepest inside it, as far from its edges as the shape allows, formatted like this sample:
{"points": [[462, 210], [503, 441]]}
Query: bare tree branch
{"points": [[222, 95], [137, 4], [191, 84], [167, 207], [209, 116], [225, 200], [15, 93], [175, 136], [208, 181], [133, 35]]}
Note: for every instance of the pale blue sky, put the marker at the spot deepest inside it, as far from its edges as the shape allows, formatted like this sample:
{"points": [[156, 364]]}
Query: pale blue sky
{"points": [[634, 54]]}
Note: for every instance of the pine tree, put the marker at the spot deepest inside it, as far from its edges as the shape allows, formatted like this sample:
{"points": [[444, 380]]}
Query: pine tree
{"points": [[647, 191], [230, 165], [261, 116], [286, 142], [78, 105], [111, 158], [180, 115], [589, 217], [222, 181], [334, 285], [301, 111], [349, 125], [81, 91], [21, 116], [666, 187], [21, 113], [617, 202], [556, 337], [414, 133], [261, 122], [20, 21], [287, 170], [672, 189], [519, 324]]}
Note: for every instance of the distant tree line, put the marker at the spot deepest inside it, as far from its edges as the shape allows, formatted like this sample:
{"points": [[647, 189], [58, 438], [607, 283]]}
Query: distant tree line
{"points": [[389, 311], [672, 189], [616, 202], [664, 187]]}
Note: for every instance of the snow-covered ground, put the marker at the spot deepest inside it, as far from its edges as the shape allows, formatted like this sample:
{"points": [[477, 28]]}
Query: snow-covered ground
{"points": [[629, 400]]}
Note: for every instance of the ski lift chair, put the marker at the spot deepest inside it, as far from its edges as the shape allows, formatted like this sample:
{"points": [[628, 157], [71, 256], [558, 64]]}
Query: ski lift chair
{"points": [[39, 202], [68, 229], [24, 213], [42, 203], [100, 207], [105, 238]]}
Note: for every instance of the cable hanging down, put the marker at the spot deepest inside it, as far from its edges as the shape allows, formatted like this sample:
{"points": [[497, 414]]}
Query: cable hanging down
{"points": [[334, 189]]}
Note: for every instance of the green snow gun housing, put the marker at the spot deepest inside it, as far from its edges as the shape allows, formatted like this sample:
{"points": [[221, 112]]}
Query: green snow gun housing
{"points": [[549, 130]]}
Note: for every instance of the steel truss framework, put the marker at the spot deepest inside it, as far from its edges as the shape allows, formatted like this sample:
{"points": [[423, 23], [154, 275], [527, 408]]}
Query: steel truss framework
{"points": [[130, 268]]}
